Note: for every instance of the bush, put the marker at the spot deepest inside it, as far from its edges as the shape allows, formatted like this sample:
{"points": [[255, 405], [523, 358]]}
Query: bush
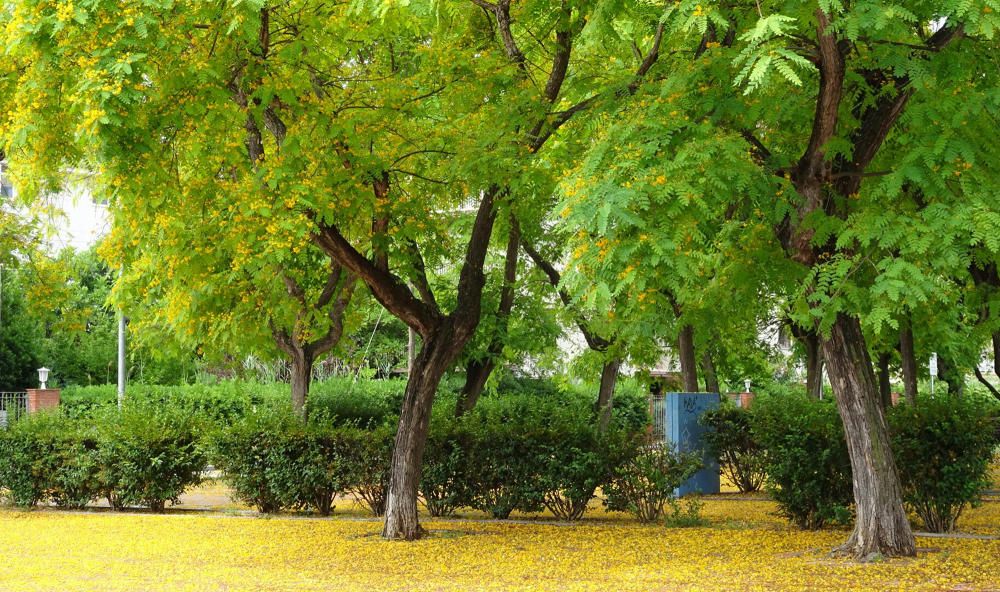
{"points": [[645, 483], [731, 440], [444, 482], [806, 458], [148, 456], [943, 448], [245, 452], [274, 461], [47, 457]]}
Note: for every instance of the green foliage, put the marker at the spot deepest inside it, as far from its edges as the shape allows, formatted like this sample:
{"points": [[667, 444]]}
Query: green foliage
{"points": [[19, 339], [46, 457], [806, 459], [943, 449], [273, 461], [644, 484], [149, 455], [731, 440]]}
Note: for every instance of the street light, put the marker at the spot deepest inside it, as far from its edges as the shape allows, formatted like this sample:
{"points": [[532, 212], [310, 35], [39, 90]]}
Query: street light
{"points": [[43, 376]]}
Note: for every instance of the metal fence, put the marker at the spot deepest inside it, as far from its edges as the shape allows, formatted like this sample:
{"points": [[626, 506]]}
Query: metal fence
{"points": [[658, 411], [12, 406]]}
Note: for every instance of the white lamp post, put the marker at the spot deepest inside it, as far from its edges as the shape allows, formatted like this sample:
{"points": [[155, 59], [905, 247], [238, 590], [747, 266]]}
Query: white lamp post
{"points": [[43, 376]]}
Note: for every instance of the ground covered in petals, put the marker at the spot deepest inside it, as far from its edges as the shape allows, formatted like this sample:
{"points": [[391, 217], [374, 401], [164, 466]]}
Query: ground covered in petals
{"points": [[745, 547]]}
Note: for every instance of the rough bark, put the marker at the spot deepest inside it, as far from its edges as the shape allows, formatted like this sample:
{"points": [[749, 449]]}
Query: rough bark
{"points": [[302, 365], [708, 369], [881, 526], [908, 362], [884, 386], [606, 393], [437, 354]]}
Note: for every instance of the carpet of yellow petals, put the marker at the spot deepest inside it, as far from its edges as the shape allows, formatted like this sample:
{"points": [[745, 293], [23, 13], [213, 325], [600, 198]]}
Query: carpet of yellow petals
{"points": [[746, 547]]}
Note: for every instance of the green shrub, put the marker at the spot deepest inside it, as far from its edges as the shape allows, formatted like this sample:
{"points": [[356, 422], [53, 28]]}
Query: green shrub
{"points": [[245, 453], [371, 458], [943, 448], [148, 456], [444, 480], [806, 458], [688, 516], [731, 440], [47, 457], [644, 484]]}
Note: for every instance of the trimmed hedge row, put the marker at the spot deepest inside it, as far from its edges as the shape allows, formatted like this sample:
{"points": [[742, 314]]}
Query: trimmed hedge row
{"points": [[513, 454], [142, 457]]}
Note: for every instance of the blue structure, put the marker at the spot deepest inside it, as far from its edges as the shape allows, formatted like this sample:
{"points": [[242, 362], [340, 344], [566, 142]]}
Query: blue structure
{"points": [[681, 428]]}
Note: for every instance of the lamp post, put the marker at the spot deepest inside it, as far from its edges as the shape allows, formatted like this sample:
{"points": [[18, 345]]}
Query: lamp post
{"points": [[43, 376]]}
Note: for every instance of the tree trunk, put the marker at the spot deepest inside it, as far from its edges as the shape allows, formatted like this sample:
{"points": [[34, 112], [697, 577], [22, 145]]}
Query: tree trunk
{"points": [[884, 386], [689, 362], [814, 365], [909, 362], [881, 526], [711, 378], [949, 372], [606, 393], [477, 372], [302, 365], [436, 356], [996, 354]]}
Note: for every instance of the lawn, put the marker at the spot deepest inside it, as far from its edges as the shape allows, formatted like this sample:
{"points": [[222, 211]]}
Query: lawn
{"points": [[746, 547]]}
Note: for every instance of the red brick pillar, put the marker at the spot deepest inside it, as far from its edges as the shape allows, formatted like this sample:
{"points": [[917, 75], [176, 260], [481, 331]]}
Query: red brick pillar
{"points": [[39, 399], [746, 399]]}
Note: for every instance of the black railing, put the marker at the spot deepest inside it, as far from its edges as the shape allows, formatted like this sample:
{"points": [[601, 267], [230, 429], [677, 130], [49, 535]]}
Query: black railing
{"points": [[12, 407]]}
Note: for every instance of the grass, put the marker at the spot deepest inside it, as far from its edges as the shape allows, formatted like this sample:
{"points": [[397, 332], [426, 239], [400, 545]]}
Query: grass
{"points": [[745, 547]]}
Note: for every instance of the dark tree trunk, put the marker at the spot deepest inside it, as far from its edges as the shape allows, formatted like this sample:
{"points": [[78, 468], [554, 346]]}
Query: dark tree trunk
{"points": [[437, 354], [689, 362], [814, 360], [708, 369], [477, 372], [908, 362], [302, 365], [881, 526], [884, 386], [996, 354], [949, 372], [606, 394]]}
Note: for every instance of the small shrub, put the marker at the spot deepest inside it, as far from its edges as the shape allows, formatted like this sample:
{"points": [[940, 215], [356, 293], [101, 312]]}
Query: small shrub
{"points": [[444, 482], [370, 458], [48, 457], [245, 453], [807, 463], [645, 483], [688, 516], [148, 456], [731, 440], [943, 448]]}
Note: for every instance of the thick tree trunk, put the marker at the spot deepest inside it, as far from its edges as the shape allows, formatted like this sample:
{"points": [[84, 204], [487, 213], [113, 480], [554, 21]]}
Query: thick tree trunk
{"points": [[436, 356], [881, 527], [302, 365], [884, 386], [708, 369], [606, 393], [908, 362], [689, 362]]}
